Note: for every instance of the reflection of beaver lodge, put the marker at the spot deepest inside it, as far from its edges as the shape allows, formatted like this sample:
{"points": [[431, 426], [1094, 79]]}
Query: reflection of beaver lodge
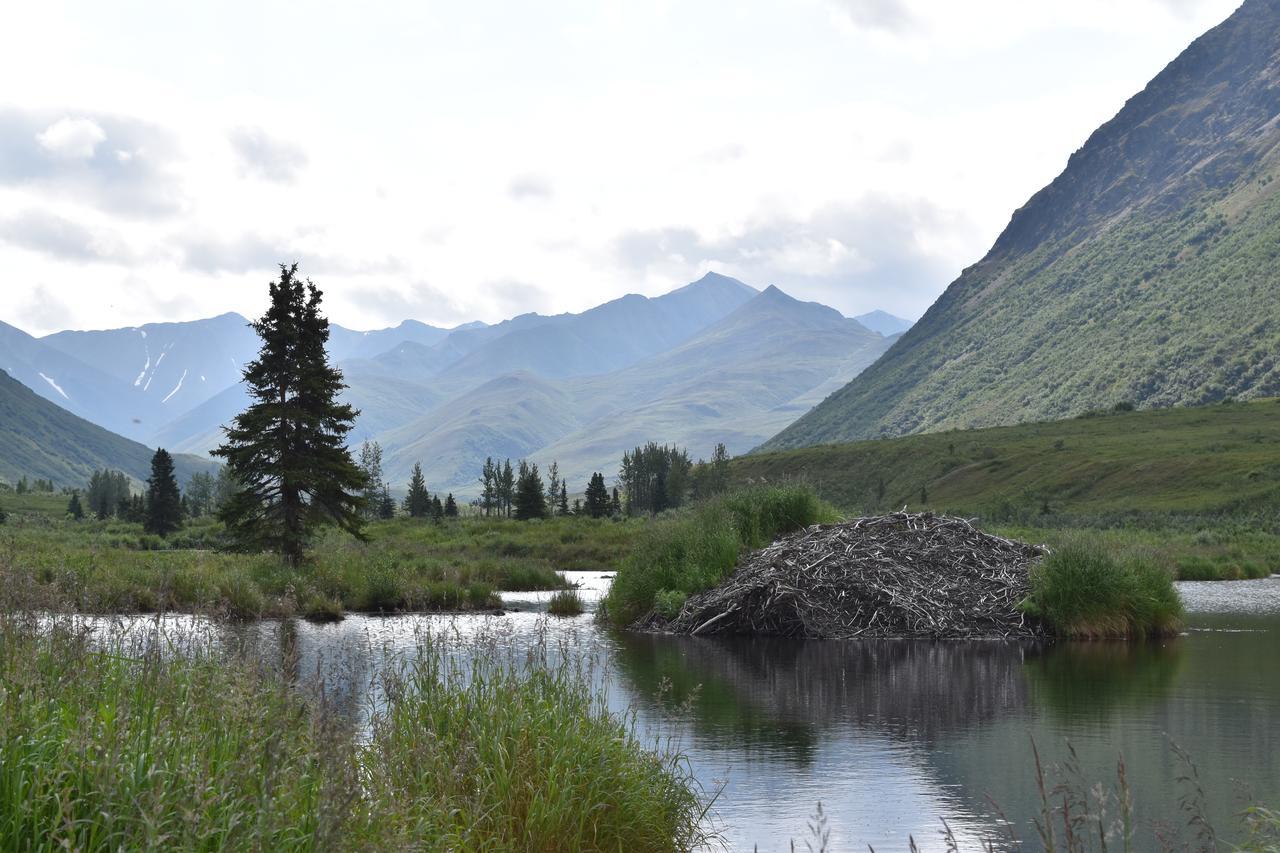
{"points": [[899, 575]]}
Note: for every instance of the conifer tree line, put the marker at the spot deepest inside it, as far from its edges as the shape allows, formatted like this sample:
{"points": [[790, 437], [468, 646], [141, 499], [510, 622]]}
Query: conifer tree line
{"points": [[418, 501], [108, 494]]}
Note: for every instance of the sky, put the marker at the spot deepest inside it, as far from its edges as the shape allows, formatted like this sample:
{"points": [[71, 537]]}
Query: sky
{"points": [[450, 162]]}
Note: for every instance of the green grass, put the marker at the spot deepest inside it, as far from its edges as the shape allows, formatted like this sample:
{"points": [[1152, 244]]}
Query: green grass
{"points": [[1208, 461], [566, 602], [50, 561], [1082, 592], [1221, 550], [694, 549], [122, 749]]}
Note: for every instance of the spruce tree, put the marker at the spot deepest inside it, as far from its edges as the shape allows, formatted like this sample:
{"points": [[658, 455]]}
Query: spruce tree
{"points": [[530, 501], [564, 498], [450, 506], [615, 506], [597, 496], [287, 452], [418, 502], [437, 508], [386, 504], [74, 509], [163, 513]]}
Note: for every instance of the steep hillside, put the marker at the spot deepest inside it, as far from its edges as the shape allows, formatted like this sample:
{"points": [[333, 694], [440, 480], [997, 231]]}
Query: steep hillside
{"points": [[40, 439], [1146, 272]]}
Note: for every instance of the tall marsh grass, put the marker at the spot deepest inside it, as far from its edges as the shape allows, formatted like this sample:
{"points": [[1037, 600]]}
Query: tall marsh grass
{"points": [[1082, 592], [694, 549], [106, 746]]}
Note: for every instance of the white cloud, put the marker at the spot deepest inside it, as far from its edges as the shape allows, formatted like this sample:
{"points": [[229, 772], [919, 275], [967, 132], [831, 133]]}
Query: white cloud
{"points": [[860, 152], [263, 157], [73, 138]]}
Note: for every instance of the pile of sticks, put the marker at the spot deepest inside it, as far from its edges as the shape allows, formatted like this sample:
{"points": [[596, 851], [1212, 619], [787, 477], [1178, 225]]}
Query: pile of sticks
{"points": [[898, 575]]}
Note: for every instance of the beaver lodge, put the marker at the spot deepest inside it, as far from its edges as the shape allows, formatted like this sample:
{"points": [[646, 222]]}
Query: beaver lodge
{"points": [[898, 575]]}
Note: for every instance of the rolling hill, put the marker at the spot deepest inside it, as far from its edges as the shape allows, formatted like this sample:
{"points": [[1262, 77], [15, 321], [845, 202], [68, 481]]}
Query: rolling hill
{"points": [[1196, 460], [40, 439], [1146, 272]]}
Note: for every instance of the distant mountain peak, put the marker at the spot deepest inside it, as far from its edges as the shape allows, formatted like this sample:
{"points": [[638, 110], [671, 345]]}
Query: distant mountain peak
{"points": [[883, 322]]}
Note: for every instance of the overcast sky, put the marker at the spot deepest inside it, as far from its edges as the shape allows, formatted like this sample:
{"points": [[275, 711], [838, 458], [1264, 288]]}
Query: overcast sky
{"points": [[458, 161]]}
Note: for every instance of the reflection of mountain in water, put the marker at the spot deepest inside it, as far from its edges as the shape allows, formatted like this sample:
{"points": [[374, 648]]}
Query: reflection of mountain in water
{"points": [[913, 689]]}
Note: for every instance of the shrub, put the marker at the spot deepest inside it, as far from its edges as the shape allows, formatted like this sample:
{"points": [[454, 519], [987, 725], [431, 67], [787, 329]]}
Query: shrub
{"points": [[696, 548], [1082, 592]]}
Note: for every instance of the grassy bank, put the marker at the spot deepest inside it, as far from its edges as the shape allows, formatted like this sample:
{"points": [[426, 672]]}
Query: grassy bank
{"points": [[123, 749], [90, 566], [1208, 461], [1225, 550], [694, 549]]}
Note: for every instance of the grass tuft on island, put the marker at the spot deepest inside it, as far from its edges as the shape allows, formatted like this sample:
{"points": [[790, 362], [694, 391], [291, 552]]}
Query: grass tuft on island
{"points": [[112, 745], [1082, 592], [693, 549]]}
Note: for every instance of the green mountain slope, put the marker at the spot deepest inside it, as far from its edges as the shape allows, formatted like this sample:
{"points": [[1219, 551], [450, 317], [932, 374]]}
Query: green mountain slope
{"points": [[1206, 459], [1148, 271], [40, 439]]}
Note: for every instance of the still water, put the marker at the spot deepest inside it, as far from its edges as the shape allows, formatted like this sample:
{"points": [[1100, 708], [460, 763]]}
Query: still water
{"points": [[893, 737]]}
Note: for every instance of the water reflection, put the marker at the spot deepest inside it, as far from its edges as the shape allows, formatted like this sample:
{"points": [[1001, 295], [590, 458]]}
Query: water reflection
{"points": [[913, 690], [891, 736]]}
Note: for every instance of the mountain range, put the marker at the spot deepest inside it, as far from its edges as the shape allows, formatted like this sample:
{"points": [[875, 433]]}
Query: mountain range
{"points": [[714, 361], [1146, 273]]}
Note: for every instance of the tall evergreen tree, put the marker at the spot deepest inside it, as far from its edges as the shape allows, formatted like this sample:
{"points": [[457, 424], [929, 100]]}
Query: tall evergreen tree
{"points": [[163, 513], [530, 501], [287, 452], [615, 506], [418, 502], [437, 509], [597, 497], [563, 507], [74, 509], [450, 506]]}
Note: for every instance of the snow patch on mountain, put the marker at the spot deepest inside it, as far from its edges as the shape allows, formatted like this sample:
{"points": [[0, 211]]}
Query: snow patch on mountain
{"points": [[176, 388], [55, 385]]}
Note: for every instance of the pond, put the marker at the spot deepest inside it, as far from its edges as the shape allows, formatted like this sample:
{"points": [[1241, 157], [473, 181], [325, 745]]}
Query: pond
{"points": [[891, 737]]}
